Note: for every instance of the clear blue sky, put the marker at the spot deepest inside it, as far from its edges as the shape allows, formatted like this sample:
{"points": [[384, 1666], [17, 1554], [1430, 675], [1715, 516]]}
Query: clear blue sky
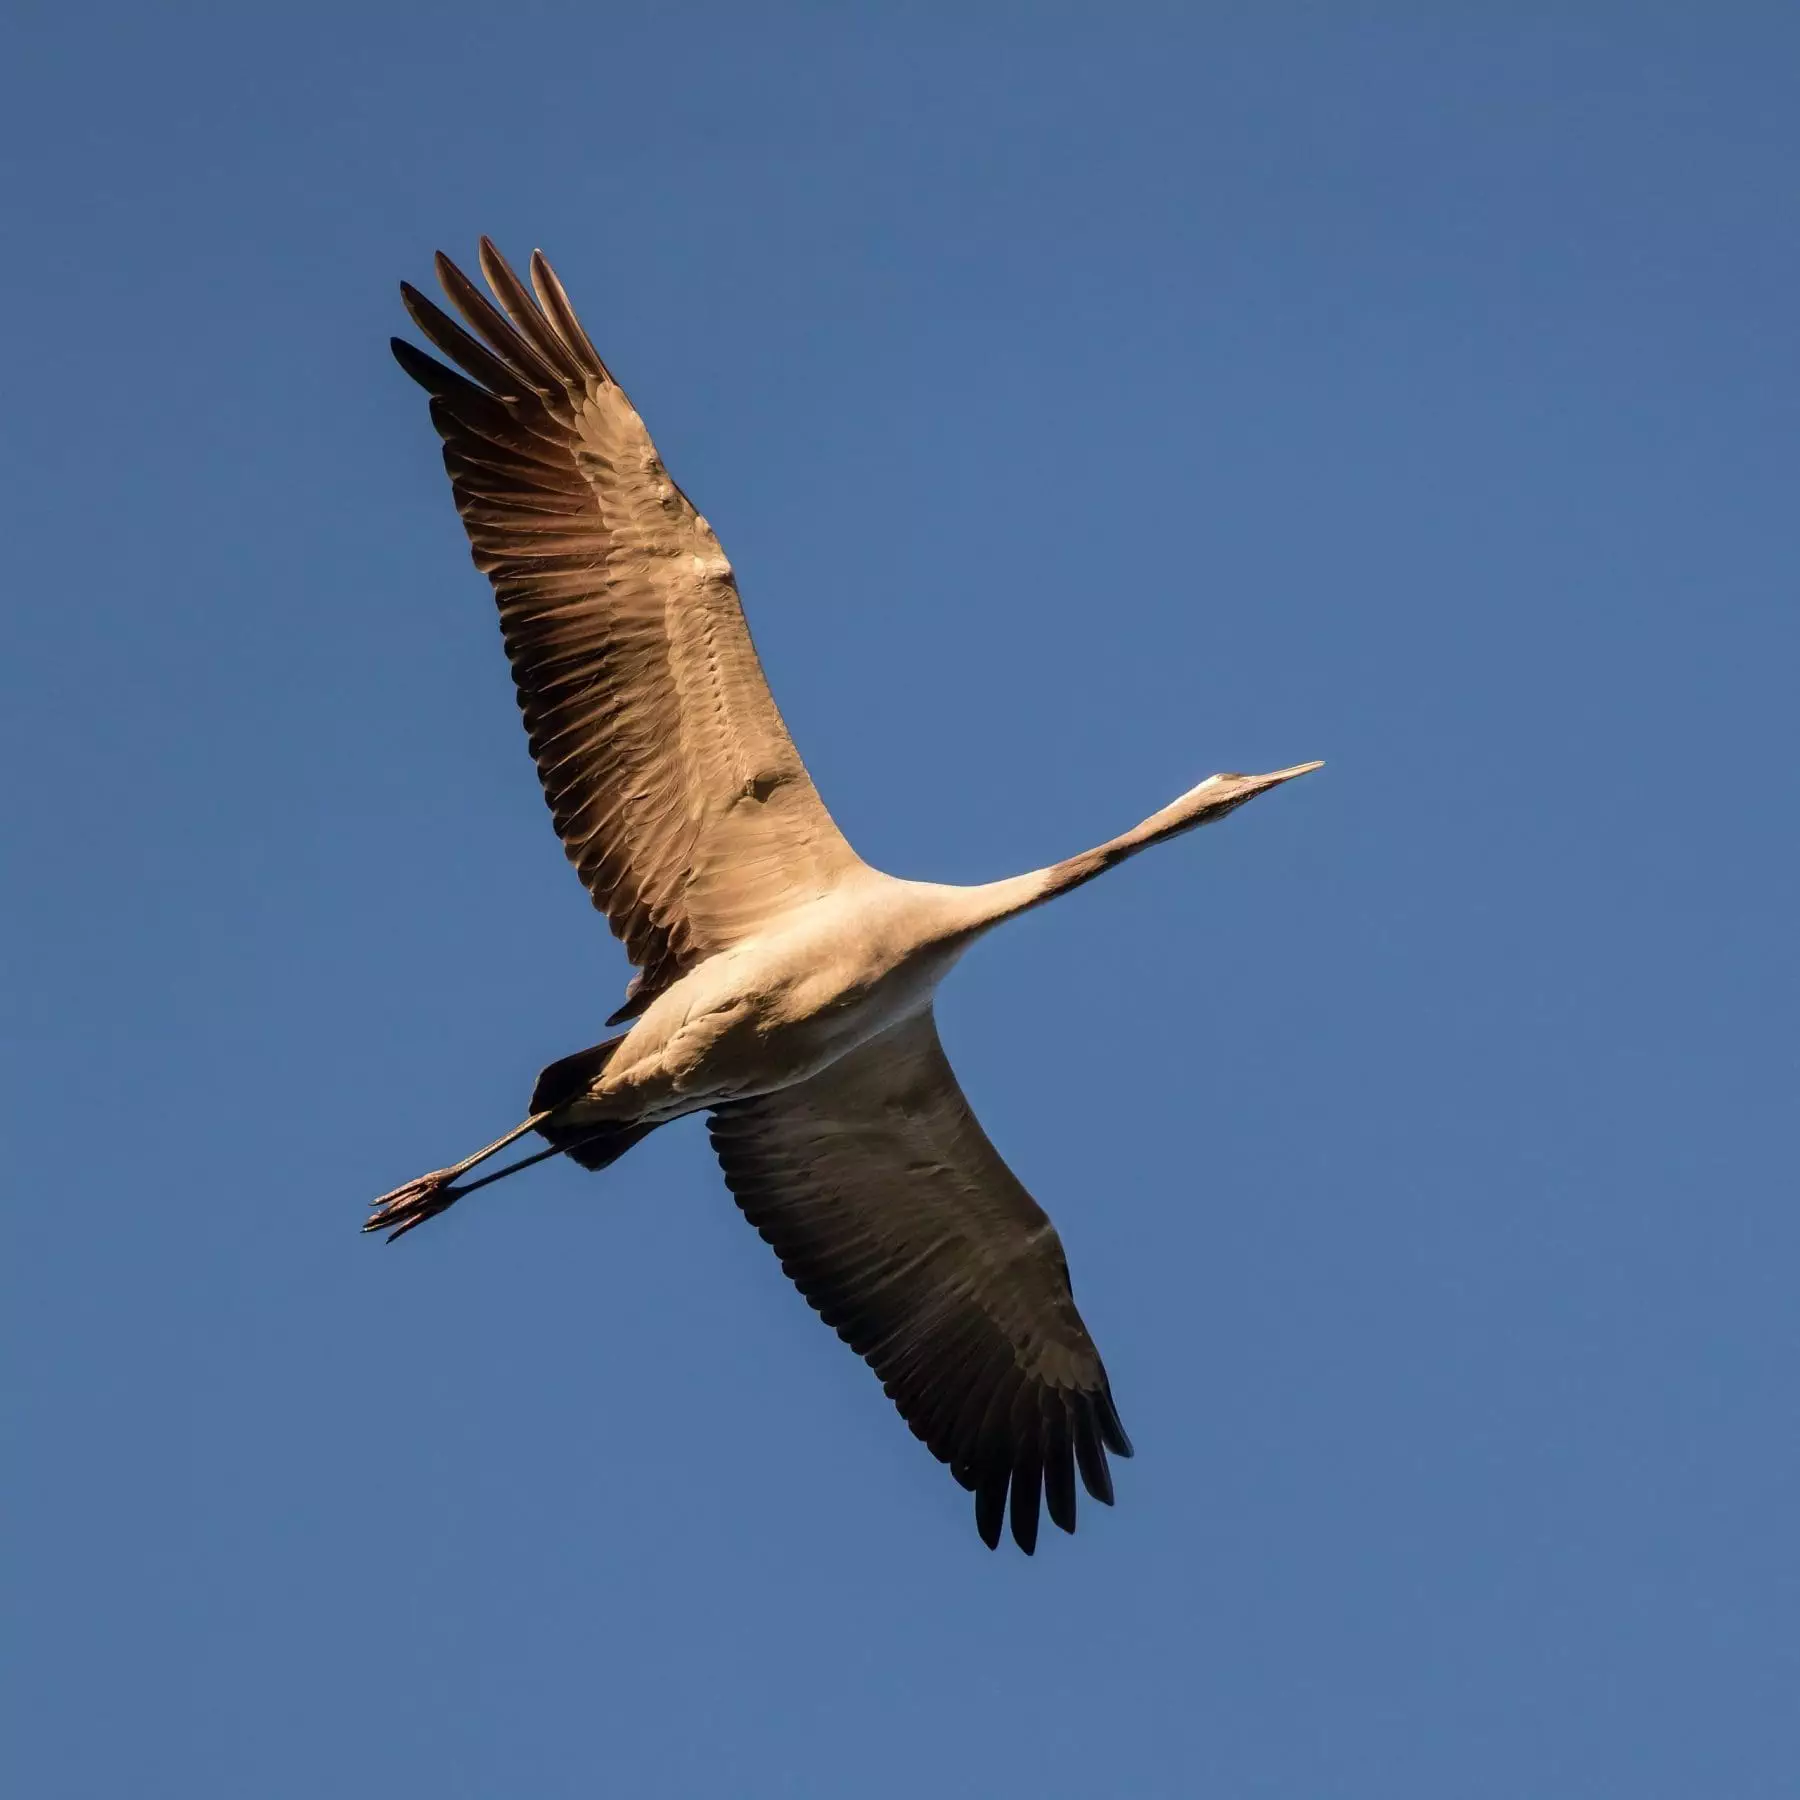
{"points": [[1088, 403]]}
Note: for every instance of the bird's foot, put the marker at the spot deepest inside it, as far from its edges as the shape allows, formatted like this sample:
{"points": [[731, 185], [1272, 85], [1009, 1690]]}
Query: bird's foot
{"points": [[398, 1212]]}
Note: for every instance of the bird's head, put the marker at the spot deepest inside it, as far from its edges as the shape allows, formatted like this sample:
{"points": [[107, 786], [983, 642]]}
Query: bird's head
{"points": [[1210, 799]]}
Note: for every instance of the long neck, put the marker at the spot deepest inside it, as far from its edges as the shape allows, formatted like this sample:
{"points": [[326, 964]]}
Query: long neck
{"points": [[993, 901], [974, 910]]}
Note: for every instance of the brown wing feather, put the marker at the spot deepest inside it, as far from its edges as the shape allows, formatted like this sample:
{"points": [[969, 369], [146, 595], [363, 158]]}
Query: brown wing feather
{"points": [[672, 781], [900, 1223]]}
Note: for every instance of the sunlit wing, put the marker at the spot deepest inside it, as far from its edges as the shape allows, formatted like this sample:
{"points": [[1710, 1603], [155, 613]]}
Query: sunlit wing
{"points": [[673, 783], [900, 1223]]}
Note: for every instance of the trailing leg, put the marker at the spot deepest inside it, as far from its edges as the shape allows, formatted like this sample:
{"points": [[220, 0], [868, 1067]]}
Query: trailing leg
{"points": [[412, 1203], [592, 1144]]}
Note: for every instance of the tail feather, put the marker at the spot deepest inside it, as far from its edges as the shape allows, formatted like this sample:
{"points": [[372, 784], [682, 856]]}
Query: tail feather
{"points": [[593, 1146], [572, 1076], [596, 1146]]}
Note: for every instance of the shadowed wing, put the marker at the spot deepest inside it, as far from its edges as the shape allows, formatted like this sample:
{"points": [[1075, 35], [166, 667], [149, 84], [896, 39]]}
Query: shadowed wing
{"points": [[673, 783], [899, 1222]]}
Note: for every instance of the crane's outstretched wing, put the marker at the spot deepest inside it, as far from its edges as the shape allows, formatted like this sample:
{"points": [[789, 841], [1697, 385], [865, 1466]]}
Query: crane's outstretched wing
{"points": [[674, 785], [901, 1225]]}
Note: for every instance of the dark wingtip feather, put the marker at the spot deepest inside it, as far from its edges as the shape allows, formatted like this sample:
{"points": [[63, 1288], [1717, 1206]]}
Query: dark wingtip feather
{"points": [[1111, 1431], [990, 1507], [501, 334], [1059, 1469], [527, 316], [1096, 1477], [1026, 1426], [494, 374], [554, 299], [440, 382], [1027, 1489]]}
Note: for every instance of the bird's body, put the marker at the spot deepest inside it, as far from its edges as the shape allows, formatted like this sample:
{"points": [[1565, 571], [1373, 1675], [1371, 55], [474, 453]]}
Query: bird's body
{"points": [[776, 1009], [784, 987]]}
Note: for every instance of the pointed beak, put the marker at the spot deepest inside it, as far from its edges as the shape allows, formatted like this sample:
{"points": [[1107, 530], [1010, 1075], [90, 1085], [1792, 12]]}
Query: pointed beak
{"points": [[1214, 798], [1237, 788], [1281, 775]]}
